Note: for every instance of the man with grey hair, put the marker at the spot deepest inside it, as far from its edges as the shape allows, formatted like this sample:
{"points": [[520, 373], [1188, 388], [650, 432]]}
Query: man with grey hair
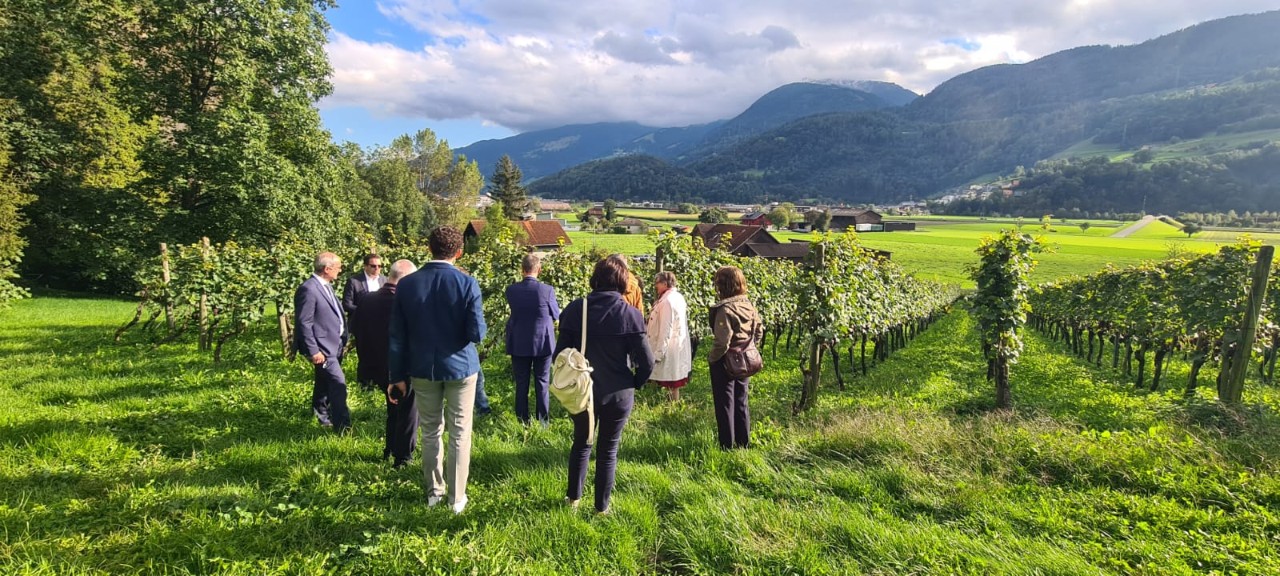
{"points": [[372, 328], [531, 337], [320, 334]]}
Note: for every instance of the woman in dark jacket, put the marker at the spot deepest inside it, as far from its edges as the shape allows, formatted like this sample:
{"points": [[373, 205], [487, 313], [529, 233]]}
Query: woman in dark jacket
{"points": [[734, 322], [616, 344]]}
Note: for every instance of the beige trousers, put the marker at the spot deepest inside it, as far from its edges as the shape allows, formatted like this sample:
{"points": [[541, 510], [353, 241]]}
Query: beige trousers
{"points": [[442, 402]]}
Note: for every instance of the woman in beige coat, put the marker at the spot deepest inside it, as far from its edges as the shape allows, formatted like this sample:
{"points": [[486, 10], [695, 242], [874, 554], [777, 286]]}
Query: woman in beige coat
{"points": [[668, 332]]}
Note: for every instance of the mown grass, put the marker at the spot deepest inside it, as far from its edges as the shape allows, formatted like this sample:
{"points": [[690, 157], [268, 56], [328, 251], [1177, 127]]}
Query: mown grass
{"points": [[131, 458]]}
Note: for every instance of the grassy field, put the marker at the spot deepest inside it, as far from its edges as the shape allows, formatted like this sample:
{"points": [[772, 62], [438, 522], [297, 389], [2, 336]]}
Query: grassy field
{"points": [[1185, 149], [133, 458]]}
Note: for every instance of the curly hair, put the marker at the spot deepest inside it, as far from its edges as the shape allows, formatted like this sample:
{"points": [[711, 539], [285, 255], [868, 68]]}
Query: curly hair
{"points": [[445, 241]]}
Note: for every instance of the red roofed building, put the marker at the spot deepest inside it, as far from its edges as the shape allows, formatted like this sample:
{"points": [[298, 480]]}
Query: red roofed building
{"points": [[539, 234]]}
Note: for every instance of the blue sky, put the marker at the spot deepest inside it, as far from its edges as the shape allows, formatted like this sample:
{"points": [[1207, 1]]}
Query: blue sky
{"points": [[480, 69]]}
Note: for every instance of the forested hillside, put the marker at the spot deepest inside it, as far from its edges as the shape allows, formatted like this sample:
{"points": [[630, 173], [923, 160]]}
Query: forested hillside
{"points": [[1210, 80]]}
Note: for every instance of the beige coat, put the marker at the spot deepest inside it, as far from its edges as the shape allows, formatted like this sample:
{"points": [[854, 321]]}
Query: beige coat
{"points": [[734, 320], [668, 332]]}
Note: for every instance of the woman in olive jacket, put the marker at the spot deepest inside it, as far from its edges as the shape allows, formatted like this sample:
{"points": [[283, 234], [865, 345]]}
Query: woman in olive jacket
{"points": [[621, 362], [734, 322]]}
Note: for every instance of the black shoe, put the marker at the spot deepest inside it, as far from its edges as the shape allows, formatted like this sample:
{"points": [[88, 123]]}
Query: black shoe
{"points": [[386, 453], [400, 463]]}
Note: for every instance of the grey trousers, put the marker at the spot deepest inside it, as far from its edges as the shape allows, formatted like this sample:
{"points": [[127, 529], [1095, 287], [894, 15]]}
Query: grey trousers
{"points": [[440, 403]]}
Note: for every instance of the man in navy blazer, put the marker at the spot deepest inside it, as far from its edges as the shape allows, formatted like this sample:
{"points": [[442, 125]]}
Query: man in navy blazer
{"points": [[320, 333], [436, 322], [531, 337]]}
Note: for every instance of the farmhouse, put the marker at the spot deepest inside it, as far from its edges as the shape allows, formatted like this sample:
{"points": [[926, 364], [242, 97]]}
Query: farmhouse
{"points": [[754, 219], [633, 225], [539, 234], [748, 241], [554, 206], [842, 219], [596, 212]]}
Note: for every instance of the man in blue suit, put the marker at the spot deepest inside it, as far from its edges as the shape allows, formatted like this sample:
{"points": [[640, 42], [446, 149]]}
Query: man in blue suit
{"points": [[320, 334], [531, 337], [436, 322]]}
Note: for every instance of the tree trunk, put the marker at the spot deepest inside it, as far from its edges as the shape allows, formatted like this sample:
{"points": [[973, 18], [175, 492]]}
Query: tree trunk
{"points": [[1004, 397], [864, 354], [1158, 368], [1142, 364], [835, 364]]}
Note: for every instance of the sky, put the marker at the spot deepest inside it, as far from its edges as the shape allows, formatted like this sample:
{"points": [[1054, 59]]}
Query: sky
{"points": [[482, 69]]}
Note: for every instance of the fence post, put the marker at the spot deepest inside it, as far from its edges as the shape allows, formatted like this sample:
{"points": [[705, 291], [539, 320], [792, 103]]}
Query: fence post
{"points": [[164, 275], [814, 377], [661, 257], [204, 296], [1233, 390]]}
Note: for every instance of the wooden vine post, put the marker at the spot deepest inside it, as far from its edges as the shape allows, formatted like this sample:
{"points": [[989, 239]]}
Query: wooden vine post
{"points": [[813, 376], [1232, 390], [204, 296], [164, 276]]}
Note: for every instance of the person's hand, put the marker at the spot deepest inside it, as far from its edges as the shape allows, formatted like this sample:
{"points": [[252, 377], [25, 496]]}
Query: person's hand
{"points": [[317, 358], [398, 388]]}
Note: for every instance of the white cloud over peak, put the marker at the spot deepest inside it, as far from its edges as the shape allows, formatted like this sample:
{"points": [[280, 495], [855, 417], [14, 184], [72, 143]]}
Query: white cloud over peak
{"points": [[529, 64]]}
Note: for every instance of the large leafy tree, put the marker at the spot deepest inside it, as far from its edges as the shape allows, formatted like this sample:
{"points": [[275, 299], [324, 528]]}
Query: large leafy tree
{"points": [[507, 189], [165, 120]]}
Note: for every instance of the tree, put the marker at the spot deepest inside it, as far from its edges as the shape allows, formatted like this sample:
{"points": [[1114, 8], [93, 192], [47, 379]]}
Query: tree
{"points": [[823, 221], [1084, 226], [1191, 229], [779, 217], [687, 208], [611, 210], [12, 199], [713, 215], [507, 189]]}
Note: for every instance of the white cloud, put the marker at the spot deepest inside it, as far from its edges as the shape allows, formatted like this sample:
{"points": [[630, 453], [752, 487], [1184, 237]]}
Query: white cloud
{"points": [[528, 64]]}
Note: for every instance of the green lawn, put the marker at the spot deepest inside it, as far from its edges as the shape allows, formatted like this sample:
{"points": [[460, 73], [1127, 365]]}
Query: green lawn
{"points": [[612, 243], [132, 458]]}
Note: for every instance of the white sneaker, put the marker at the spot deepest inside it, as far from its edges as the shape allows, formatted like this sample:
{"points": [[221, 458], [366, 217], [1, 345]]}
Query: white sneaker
{"points": [[433, 500], [571, 503], [459, 506]]}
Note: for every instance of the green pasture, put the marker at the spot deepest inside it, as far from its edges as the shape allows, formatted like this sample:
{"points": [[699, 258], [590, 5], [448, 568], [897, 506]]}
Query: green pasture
{"points": [[942, 249], [611, 243], [140, 458], [1207, 145]]}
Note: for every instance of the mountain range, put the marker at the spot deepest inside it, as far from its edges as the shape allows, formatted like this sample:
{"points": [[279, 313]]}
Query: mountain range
{"points": [[1210, 91]]}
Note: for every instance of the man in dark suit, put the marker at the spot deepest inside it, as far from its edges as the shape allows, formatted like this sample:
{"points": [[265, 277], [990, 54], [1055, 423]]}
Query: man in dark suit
{"points": [[320, 335], [371, 328], [367, 281], [436, 322], [531, 337]]}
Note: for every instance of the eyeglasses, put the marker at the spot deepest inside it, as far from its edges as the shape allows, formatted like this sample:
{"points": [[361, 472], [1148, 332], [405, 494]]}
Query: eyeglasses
{"points": [[372, 265]]}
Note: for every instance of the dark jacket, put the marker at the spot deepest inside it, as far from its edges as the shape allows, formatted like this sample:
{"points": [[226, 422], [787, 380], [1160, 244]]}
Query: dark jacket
{"points": [[371, 328], [436, 322], [318, 324], [531, 327], [615, 334], [354, 289]]}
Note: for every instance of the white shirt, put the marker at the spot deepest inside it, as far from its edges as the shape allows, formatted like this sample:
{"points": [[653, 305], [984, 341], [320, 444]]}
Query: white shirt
{"points": [[372, 282]]}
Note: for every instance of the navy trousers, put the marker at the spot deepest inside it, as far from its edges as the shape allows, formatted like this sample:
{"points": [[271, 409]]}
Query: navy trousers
{"points": [[610, 419], [733, 417], [537, 368], [402, 427], [329, 395]]}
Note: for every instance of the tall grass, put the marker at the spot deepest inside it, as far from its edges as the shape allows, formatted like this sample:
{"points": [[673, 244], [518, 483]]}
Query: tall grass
{"points": [[133, 458]]}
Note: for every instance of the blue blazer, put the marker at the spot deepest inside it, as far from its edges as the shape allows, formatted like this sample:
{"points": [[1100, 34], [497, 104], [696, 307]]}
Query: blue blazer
{"points": [[318, 325], [436, 322], [531, 328]]}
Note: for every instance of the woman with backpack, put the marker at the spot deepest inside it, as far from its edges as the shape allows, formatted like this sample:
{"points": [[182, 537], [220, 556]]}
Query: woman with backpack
{"points": [[615, 344], [734, 357]]}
